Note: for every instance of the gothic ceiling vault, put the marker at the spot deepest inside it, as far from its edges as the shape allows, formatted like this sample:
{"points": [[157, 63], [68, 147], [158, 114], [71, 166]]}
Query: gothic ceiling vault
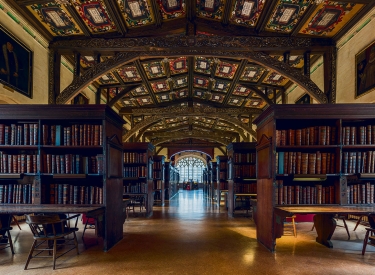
{"points": [[192, 70]]}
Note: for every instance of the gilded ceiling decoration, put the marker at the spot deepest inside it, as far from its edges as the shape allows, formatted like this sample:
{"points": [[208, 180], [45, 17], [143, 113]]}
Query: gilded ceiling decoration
{"points": [[194, 54]]}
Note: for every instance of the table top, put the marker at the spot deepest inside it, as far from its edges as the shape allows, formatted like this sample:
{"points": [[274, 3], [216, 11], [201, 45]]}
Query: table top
{"points": [[50, 208], [324, 209]]}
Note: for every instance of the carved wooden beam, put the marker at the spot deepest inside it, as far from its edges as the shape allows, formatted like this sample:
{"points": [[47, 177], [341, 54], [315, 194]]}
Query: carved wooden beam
{"points": [[145, 80], [236, 79], [204, 42], [54, 64], [259, 93], [159, 141], [121, 95]]}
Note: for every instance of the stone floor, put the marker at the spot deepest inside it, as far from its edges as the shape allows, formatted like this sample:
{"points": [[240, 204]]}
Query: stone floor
{"points": [[191, 236]]}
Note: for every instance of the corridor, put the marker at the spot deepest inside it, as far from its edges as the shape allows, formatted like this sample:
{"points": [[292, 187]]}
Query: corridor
{"points": [[191, 236]]}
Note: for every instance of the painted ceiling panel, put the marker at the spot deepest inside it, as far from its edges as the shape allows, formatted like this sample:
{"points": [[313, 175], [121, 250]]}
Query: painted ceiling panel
{"points": [[129, 74], [144, 100], [247, 12], [162, 97], [286, 15], [216, 97], [241, 91], [172, 9], [226, 69], [182, 93], [154, 69], [221, 86], [108, 78], [141, 90], [211, 9], [255, 102], [201, 82], [95, 15], [274, 78], [178, 65], [56, 19], [235, 101], [329, 18], [203, 65], [136, 13], [252, 73], [160, 86], [87, 61], [199, 93], [180, 82]]}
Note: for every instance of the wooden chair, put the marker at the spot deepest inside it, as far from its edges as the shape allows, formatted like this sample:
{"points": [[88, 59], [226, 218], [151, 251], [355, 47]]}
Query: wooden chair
{"points": [[52, 231], [290, 225], [136, 201], [6, 238], [90, 223], [370, 234]]}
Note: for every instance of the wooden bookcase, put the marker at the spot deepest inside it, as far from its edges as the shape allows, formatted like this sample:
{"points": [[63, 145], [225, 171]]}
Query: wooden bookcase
{"points": [[212, 179], [158, 179], [205, 181], [63, 155], [241, 175], [221, 178], [138, 172], [306, 155]]}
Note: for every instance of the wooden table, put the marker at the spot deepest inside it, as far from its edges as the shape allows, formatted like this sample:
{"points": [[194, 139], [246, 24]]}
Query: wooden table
{"points": [[324, 221], [96, 212]]}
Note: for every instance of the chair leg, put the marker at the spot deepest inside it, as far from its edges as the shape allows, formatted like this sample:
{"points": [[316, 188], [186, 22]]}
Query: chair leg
{"points": [[346, 227], [16, 222], [54, 253], [294, 228], [358, 222], [30, 254], [75, 242], [365, 242], [10, 241], [84, 229]]}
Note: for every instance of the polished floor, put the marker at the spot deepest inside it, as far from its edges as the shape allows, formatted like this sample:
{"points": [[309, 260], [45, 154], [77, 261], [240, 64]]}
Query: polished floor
{"points": [[191, 235]]}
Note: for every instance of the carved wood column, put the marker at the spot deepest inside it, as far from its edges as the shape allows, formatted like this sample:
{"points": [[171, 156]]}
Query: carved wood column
{"points": [[77, 64], [330, 74], [54, 76], [306, 65]]}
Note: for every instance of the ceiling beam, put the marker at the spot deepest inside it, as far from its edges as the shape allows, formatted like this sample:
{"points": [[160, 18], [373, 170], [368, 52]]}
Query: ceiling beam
{"points": [[78, 20], [227, 12], [121, 95], [115, 14], [260, 94], [235, 80], [303, 20], [157, 13], [266, 13], [145, 81]]}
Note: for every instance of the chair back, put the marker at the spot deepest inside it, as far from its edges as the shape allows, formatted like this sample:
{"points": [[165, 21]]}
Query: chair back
{"points": [[44, 225], [371, 220]]}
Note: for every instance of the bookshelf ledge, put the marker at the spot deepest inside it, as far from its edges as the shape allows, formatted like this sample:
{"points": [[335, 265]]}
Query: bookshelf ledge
{"points": [[11, 176], [308, 177], [69, 176]]}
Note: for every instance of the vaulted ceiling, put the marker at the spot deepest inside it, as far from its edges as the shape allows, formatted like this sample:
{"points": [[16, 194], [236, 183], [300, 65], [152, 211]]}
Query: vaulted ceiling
{"points": [[192, 69]]}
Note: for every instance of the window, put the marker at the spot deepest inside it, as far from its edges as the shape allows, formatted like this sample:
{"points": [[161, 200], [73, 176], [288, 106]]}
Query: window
{"points": [[190, 168]]}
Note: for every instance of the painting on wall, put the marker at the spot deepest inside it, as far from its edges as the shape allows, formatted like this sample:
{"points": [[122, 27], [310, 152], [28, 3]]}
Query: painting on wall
{"points": [[15, 64], [304, 99], [365, 69]]}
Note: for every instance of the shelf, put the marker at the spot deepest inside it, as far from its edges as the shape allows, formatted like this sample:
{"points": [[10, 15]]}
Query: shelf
{"points": [[19, 147], [11, 176], [76, 147], [310, 147], [69, 176]]}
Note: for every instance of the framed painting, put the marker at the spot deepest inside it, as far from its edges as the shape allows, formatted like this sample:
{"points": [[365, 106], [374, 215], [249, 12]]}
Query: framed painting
{"points": [[304, 99], [15, 64], [365, 70]]}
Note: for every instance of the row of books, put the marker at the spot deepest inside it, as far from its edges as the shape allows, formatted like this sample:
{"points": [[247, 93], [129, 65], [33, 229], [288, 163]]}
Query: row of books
{"points": [[132, 157], [361, 193], [18, 163], [16, 193], [358, 134], [297, 194], [135, 172], [222, 175], [358, 162], [222, 185], [74, 194], [315, 135], [243, 171], [139, 187], [73, 135], [19, 134], [245, 188], [157, 165], [305, 163], [244, 157], [157, 174], [158, 184], [72, 164]]}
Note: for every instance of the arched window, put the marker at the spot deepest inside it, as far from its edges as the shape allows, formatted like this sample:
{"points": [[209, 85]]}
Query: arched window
{"points": [[190, 168]]}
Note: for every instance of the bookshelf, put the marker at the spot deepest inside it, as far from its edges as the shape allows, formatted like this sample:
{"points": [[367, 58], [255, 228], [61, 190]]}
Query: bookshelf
{"points": [[158, 179], [212, 179], [312, 157], [63, 155], [138, 172], [205, 181], [221, 178], [241, 175]]}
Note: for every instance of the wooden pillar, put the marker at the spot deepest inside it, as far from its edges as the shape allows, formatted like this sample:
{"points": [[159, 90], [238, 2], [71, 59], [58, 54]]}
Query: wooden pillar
{"points": [[77, 64], [330, 74], [54, 76], [283, 97], [98, 95], [274, 96], [306, 65]]}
